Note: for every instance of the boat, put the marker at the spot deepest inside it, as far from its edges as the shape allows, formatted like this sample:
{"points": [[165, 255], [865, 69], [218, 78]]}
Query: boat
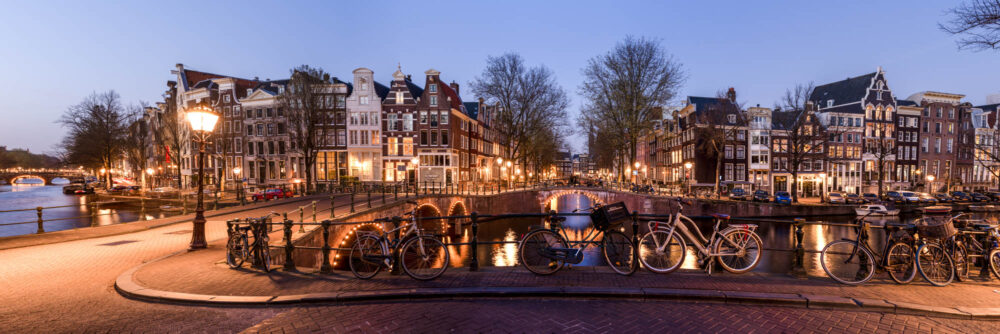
{"points": [[935, 209], [170, 208], [875, 210], [983, 208]]}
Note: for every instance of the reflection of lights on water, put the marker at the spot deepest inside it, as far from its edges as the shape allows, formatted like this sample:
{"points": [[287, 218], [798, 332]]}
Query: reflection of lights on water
{"points": [[505, 255]]}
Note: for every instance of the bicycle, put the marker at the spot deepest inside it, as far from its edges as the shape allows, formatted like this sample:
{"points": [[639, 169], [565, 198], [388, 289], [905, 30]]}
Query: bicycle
{"points": [[965, 247], [737, 248], [544, 251], [238, 249], [936, 257], [852, 262], [422, 256]]}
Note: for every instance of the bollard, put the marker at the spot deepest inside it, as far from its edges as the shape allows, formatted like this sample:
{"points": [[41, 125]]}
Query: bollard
{"points": [[289, 247], [797, 264], [332, 206], [40, 228], [184, 205], [383, 196], [325, 266], [474, 263], [395, 192], [352, 202], [369, 198]]}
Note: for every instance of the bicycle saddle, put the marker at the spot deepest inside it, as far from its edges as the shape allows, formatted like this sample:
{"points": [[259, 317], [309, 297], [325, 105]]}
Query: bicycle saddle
{"points": [[720, 216]]}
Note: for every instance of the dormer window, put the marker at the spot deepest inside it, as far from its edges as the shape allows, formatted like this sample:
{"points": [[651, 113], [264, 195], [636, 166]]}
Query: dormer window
{"points": [[249, 90], [829, 103], [226, 98], [732, 119], [281, 89], [364, 100], [433, 88]]}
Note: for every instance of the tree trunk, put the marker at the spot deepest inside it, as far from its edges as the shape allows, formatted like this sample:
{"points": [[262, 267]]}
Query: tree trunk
{"points": [[718, 171], [881, 168], [795, 184]]}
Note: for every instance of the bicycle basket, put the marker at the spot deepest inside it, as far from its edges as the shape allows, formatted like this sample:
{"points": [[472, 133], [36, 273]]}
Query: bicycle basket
{"points": [[935, 227], [610, 215]]}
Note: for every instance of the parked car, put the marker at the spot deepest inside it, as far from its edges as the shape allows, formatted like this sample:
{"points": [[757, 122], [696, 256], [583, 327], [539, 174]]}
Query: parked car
{"points": [[738, 194], [925, 198], [761, 196], [943, 198], [909, 197], [782, 197], [869, 197], [77, 189], [993, 195], [272, 193], [894, 197], [960, 196], [163, 192], [977, 197], [836, 198], [853, 199]]}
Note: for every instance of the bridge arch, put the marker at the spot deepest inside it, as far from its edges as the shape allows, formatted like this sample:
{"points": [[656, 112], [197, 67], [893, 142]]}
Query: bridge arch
{"points": [[29, 176], [547, 198]]}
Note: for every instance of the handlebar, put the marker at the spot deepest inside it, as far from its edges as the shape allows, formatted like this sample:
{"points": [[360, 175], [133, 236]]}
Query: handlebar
{"points": [[592, 208]]}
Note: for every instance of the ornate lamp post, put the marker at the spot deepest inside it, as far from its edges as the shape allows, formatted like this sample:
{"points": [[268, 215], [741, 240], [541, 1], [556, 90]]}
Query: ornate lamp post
{"points": [[202, 120], [239, 184], [913, 183], [149, 171], [930, 183], [687, 175]]}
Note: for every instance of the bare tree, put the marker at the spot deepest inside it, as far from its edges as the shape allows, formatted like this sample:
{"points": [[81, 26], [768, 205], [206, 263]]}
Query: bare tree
{"points": [[171, 131], [801, 137], [97, 131], [978, 22], [309, 101], [137, 141], [532, 105], [624, 86], [720, 126]]}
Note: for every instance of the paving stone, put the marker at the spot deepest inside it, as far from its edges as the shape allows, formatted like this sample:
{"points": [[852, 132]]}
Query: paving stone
{"points": [[745, 297], [829, 301]]}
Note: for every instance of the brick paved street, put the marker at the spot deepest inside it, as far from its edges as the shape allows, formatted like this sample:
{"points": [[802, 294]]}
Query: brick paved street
{"points": [[585, 316]]}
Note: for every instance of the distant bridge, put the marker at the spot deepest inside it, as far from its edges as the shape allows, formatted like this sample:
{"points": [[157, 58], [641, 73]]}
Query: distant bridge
{"points": [[46, 175]]}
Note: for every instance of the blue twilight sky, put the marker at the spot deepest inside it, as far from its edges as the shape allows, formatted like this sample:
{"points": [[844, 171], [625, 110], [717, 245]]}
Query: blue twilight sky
{"points": [[52, 54]]}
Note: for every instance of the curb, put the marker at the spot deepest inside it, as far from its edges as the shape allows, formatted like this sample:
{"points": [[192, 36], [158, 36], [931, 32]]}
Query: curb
{"points": [[127, 287]]}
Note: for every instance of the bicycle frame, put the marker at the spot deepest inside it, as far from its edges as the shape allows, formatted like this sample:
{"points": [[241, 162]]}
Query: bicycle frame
{"points": [[389, 244], [681, 222]]}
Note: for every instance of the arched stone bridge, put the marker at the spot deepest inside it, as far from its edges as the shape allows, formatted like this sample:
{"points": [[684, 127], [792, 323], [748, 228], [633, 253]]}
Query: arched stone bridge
{"points": [[46, 175]]}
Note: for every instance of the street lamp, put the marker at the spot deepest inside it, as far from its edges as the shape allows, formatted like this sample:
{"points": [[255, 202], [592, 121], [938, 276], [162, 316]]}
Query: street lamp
{"points": [[239, 183], [930, 184], [687, 175], [202, 120], [822, 190], [913, 185], [149, 171]]}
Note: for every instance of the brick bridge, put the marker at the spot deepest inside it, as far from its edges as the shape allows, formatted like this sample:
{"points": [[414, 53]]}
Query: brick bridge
{"points": [[47, 175]]}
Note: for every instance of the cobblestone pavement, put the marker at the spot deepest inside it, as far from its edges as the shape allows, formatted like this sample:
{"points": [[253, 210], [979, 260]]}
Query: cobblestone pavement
{"points": [[206, 273], [68, 286], [585, 316]]}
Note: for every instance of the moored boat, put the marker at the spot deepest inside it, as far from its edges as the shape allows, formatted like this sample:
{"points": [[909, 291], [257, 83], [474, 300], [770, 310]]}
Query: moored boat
{"points": [[935, 209], [983, 208], [875, 210]]}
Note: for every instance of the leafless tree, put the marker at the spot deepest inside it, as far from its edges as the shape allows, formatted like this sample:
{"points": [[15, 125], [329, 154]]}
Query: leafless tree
{"points": [[137, 141], [720, 126], [171, 131], [801, 137], [978, 22], [532, 106], [97, 130], [309, 101], [623, 88]]}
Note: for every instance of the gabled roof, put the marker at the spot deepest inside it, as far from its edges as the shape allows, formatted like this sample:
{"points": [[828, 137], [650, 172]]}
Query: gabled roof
{"points": [[989, 107], [701, 103], [844, 91], [471, 109], [192, 77], [905, 103], [207, 83], [456, 102], [381, 90], [415, 91], [784, 120]]}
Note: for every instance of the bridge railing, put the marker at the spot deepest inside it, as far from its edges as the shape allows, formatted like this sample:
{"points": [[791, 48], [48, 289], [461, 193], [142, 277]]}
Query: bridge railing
{"points": [[330, 249]]}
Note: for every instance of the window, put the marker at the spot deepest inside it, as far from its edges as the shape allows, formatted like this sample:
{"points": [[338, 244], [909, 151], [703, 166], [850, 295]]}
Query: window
{"points": [[926, 126], [423, 117], [951, 113], [391, 147], [399, 97], [270, 129], [937, 127], [740, 152], [729, 151], [939, 112], [341, 137], [281, 147], [423, 137], [249, 113], [434, 100], [391, 125], [741, 171], [260, 113], [434, 118], [238, 144], [260, 129], [354, 138], [950, 142], [270, 112], [249, 148], [433, 88], [434, 137], [729, 172], [270, 147], [226, 99], [407, 122], [281, 112], [731, 118], [924, 145], [364, 99], [444, 138], [281, 128], [364, 137], [937, 145], [951, 128], [829, 103], [444, 117], [407, 146], [260, 148]]}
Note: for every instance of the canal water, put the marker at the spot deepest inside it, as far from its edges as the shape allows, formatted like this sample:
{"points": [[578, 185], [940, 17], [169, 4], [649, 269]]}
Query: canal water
{"points": [[31, 195], [777, 237]]}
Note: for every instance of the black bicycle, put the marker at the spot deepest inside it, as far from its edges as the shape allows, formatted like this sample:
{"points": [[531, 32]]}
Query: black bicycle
{"points": [[239, 248], [544, 251], [853, 261]]}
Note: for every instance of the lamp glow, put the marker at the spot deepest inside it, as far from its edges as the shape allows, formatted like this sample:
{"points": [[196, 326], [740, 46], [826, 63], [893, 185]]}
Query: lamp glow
{"points": [[202, 119]]}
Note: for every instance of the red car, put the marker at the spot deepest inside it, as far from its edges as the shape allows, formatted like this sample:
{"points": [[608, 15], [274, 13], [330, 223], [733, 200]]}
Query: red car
{"points": [[272, 193]]}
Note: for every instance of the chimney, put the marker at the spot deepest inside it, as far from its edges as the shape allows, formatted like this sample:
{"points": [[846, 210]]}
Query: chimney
{"points": [[481, 101], [455, 87], [409, 78], [731, 94], [256, 78]]}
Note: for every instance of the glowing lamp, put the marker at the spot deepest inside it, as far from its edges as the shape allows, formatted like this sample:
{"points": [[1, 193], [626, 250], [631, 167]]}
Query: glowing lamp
{"points": [[202, 119]]}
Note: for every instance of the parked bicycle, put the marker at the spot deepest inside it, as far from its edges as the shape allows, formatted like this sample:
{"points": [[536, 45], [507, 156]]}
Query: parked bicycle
{"points": [[967, 247], [239, 249], [936, 257], [421, 255], [852, 261], [544, 251], [737, 248]]}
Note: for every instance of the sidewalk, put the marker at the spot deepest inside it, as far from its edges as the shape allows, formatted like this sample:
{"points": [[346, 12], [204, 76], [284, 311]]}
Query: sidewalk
{"points": [[203, 277]]}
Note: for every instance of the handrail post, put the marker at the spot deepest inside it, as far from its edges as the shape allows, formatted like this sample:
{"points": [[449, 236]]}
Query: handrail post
{"points": [[635, 234], [325, 266], [289, 247], [383, 194], [302, 226], [332, 206], [369, 198], [352, 202], [302, 214], [40, 228], [798, 267], [474, 248], [395, 192]]}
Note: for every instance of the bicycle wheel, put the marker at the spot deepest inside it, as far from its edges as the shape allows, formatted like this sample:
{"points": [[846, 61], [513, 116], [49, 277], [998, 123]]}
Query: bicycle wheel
{"points": [[993, 260], [847, 262], [661, 261], [364, 256], [424, 258], [535, 252], [619, 252], [236, 250], [743, 254], [900, 264], [960, 255], [935, 264]]}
